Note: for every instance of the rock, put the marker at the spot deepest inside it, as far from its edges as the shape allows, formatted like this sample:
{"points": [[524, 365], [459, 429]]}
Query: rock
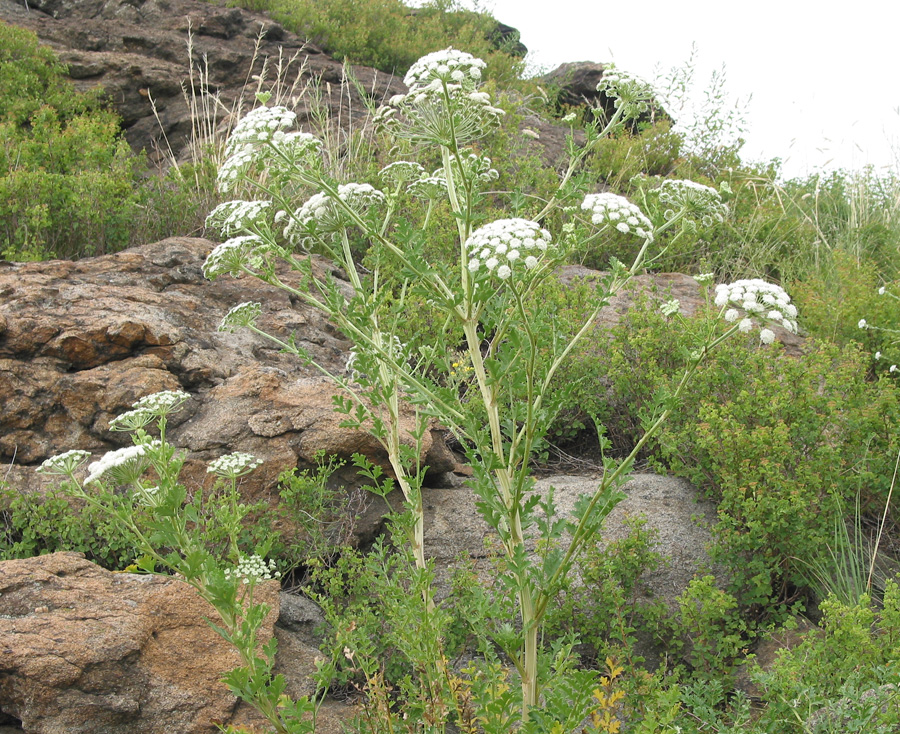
{"points": [[86, 650], [138, 52], [453, 526], [84, 340], [575, 85]]}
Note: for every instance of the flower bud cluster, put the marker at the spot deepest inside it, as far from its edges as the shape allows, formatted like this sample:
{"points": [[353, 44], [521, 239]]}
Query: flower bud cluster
{"points": [[757, 298], [125, 464], [321, 214], [629, 91], [612, 210], [232, 466], [243, 315], [233, 255], [700, 203], [505, 244], [64, 464], [253, 567], [234, 217]]}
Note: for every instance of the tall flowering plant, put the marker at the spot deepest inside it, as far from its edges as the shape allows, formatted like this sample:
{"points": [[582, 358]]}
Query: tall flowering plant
{"points": [[488, 296]]}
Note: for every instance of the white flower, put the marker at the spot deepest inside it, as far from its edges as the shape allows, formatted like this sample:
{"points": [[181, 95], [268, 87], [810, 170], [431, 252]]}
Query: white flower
{"points": [[502, 238], [699, 203], [893, 368], [750, 295], [232, 466], [233, 255], [571, 117], [123, 465], [234, 217], [877, 355], [253, 568], [610, 209], [766, 336], [670, 308], [243, 315], [64, 464], [163, 403], [401, 171], [704, 278], [863, 324], [881, 291], [442, 66], [321, 214], [629, 90]]}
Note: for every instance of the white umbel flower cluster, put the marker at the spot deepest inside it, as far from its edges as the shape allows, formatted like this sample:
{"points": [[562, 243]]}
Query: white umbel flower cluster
{"points": [[629, 91], [235, 217], [506, 244], [443, 105], [234, 254], [613, 210], [253, 568], [321, 215], [701, 203], [247, 141], [400, 172], [64, 464], [232, 466], [243, 315], [758, 299], [164, 402], [125, 464], [449, 66]]}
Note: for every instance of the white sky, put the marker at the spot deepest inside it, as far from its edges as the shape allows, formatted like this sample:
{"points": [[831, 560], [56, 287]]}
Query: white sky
{"points": [[824, 75]]}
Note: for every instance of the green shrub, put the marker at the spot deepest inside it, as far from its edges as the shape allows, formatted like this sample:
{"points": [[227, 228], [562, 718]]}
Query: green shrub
{"points": [[33, 525]]}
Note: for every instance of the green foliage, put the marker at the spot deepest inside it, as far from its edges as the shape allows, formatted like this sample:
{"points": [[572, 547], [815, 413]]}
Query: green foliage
{"points": [[32, 525], [387, 34], [841, 679], [710, 619], [605, 603]]}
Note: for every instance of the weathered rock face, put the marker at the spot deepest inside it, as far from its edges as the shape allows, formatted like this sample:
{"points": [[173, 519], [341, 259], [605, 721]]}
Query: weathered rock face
{"points": [[81, 341], [86, 650], [138, 51]]}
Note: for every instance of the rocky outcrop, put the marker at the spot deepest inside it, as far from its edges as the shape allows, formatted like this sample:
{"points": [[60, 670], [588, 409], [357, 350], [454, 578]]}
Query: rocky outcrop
{"points": [[86, 650], [81, 341], [138, 52]]}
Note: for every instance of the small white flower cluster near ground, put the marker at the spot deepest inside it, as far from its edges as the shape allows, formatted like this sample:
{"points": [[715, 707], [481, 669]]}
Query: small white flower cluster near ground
{"points": [[700, 203], [757, 298], [244, 145], [127, 463], [235, 217], [613, 210], [630, 91], [64, 464], [243, 315], [321, 214], [449, 66], [505, 244], [233, 255], [704, 279], [232, 466], [253, 567]]}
